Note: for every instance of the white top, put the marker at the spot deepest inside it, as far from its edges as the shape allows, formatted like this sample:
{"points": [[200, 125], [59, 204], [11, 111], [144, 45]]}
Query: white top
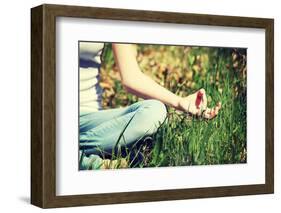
{"points": [[89, 69]]}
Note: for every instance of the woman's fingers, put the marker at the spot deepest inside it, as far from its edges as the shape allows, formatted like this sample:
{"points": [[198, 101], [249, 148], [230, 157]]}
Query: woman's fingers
{"points": [[199, 98], [204, 100], [211, 113], [218, 106]]}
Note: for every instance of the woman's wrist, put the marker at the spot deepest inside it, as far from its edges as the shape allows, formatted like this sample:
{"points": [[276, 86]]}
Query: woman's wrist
{"points": [[177, 104]]}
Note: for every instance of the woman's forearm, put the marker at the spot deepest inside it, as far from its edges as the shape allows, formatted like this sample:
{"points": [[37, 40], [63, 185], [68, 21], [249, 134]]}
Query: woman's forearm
{"points": [[144, 87], [137, 82]]}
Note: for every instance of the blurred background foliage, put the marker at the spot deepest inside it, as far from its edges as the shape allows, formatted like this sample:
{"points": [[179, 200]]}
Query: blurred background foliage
{"points": [[181, 69]]}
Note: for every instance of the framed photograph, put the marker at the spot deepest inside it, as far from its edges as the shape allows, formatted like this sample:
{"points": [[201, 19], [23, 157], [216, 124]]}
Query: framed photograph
{"points": [[136, 106]]}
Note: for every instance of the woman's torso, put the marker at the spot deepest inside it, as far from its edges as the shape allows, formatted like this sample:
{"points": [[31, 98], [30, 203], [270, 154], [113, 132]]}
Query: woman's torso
{"points": [[89, 75]]}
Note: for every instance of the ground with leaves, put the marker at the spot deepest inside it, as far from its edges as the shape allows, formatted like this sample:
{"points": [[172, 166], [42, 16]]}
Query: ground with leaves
{"points": [[183, 70]]}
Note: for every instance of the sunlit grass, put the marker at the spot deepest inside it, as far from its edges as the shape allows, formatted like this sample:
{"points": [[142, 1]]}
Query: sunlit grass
{"points": [[185, 140]]}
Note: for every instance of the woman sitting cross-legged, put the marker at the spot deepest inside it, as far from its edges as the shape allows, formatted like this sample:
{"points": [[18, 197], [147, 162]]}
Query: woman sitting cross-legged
{"points": [[102, 132]]}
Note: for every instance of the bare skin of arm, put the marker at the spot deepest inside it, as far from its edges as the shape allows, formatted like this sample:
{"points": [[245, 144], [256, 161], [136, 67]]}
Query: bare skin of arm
{"points": [[139, 84]]}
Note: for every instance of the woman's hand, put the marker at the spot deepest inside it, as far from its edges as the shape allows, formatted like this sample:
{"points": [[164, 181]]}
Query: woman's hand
{"points": [[196, 104]]}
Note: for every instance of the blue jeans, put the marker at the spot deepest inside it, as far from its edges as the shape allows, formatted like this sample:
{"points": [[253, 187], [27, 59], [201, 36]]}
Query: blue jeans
{"points": [[100, 131]]}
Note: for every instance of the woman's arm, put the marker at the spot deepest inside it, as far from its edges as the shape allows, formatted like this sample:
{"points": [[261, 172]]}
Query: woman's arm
{"points": [[138, 83], [143, 86]]}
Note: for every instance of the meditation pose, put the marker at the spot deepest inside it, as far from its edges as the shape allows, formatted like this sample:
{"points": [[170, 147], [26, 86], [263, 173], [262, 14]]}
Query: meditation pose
{"points": [[101, 129]]}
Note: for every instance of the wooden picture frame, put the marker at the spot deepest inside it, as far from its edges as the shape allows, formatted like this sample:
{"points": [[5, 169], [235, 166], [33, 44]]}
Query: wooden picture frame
{"points": [[43, 105]]}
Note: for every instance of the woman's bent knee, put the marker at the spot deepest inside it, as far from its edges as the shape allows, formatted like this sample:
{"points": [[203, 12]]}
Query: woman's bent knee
{"points": [[158, 111], [155, 113]]}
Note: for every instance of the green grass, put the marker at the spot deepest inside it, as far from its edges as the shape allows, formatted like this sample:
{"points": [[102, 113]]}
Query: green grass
{"points": [[185, 140], [191, 141]]}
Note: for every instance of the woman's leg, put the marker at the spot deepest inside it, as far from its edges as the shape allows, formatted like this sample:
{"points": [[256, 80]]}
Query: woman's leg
{"points": [[92, 120], [143, 118]]}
